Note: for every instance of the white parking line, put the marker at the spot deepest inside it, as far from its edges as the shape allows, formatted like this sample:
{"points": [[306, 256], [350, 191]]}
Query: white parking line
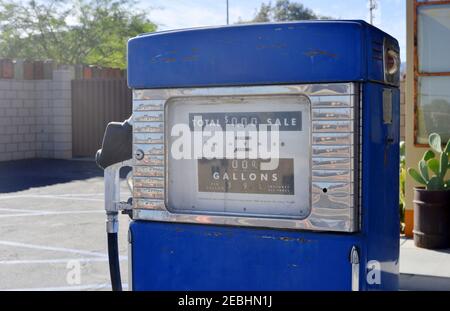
{"points": [[31, 196], [68, 288], [4, 209], [46, 213], [56, 261], [56, 249]]}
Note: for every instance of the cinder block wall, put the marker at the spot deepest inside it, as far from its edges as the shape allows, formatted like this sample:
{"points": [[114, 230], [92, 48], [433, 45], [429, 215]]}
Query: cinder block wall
{"points": [[35, 117], [17, 120]]}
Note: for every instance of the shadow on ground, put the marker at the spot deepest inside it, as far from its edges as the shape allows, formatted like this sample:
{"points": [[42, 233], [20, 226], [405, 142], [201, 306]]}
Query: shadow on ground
{"points": [[24, 174]]}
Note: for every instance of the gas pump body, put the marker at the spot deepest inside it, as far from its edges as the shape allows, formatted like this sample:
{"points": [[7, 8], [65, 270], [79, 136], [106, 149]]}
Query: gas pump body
{"points": [[332, 223]]}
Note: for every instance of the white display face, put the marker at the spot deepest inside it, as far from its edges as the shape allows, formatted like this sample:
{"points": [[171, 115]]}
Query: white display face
{"points": [[215, 167]]}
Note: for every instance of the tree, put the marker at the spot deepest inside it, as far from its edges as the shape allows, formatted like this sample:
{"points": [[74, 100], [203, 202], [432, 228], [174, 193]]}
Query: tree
{"points": [[283, 10], [70, 32]]}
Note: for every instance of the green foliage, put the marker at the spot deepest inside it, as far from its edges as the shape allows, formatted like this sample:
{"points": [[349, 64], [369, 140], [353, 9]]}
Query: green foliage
{"points": [[283, 10], [436, 161], [70, 32]]}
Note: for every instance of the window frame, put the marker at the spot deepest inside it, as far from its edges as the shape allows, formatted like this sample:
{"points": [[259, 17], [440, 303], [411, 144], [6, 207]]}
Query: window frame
{"points": [[417, 73]]}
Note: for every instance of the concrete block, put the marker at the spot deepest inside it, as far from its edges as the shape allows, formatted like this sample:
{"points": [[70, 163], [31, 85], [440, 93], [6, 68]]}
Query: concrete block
{"points": [[29, 85], [18, 138], [31, 137], [4, 120], [17, 85], [23, 129], [62, 103], [61, 94], [61, 146], [17, 103], [18, 120], [29, 103], [41, 103], [62, 85], [62, 111], [48, 146], [64, 74], [62, 137], [5, 103], [5, 84], [22, 94], [12, 129], [11, 112], [42, 137], [64, 128], [30, 120], [31, 95], [5, 138], [11, 147], [10, 94], [67, 154], [41, 120], [41, 85], [30, 154], [6, 156], [23, 112], [63, 120], [24, 147]]}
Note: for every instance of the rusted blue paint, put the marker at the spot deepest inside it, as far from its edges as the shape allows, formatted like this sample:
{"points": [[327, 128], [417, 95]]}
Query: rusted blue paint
{"points": [[299, 52]]}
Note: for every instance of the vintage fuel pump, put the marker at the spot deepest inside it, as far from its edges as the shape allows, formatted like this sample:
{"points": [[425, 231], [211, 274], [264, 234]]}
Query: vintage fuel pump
{"points": [[210, 209]]}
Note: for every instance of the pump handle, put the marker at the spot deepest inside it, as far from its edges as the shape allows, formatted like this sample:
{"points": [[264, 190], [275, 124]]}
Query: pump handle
{"points": [[117, 144]]}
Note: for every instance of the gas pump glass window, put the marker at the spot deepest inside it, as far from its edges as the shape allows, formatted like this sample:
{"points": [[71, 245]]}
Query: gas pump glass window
{"points": [[239, 155]]}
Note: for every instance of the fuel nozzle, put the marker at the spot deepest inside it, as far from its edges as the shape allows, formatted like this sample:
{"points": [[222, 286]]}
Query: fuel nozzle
{"points": [[116, 150], [116, 145]]}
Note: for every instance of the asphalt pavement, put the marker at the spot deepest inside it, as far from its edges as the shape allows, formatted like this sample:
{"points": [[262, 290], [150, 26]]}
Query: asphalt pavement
{"points": [[52, 226]]}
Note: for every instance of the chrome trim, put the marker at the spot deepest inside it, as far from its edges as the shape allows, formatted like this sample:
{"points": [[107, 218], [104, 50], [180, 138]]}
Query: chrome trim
{"points": [[333, 171], [151, 171], [148, 116], [332, 114], [150, 204], [148, 138], [342, 101], [149, 193], [148, 127], [355, 261], [148, 105], [332, 139], [332, 163], [154, 160], [148, 182], [332, 126], [130, 261], [332, 151]]}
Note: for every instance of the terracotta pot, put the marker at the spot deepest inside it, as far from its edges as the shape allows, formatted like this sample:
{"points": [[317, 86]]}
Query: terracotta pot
{"points": [[431, 219]]}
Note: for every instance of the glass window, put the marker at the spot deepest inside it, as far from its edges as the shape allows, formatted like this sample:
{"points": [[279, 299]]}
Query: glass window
{"points": [[433, 110], [228, 185], [434, 38]]}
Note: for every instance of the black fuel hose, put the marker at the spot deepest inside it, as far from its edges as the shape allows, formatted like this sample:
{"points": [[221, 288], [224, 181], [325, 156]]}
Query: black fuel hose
{"points": [[114, 262]]}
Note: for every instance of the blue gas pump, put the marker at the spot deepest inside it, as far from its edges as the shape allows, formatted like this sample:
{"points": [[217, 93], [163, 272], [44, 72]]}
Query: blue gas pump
{"points": [[320, 214]]}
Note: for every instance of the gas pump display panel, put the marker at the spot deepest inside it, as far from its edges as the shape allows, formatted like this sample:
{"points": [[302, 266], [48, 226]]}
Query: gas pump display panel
{"points": [[281, 156], [234, 178]]}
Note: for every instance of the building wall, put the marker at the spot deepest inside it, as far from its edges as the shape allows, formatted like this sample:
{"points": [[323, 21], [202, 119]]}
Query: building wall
{"points": [[35, 117], [402, 109], [413, 153]]}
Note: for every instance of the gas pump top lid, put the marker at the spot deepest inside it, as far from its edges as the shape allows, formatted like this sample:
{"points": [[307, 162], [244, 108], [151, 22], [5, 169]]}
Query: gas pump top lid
{"points": [[259, 54]]}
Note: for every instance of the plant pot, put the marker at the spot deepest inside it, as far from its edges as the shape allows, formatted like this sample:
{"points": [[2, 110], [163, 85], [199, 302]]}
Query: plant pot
{"points": [[431, 219]]}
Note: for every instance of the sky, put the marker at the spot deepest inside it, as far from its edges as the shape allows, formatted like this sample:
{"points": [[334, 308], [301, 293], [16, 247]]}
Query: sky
{"points": [[175, 14]]}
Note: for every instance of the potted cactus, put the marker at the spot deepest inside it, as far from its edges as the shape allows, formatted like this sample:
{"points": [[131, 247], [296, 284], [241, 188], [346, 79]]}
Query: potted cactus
{"points": [[432, 201]]}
